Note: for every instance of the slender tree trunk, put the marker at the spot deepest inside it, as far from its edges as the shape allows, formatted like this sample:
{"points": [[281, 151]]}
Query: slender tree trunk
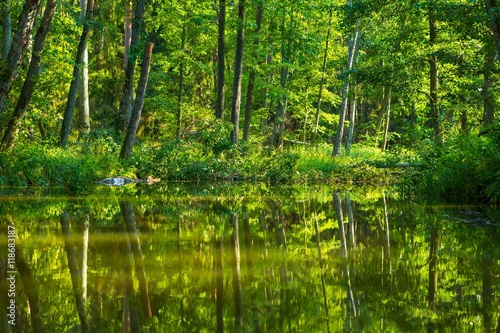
{"points": [[139, 101], [135, 245], [350, 131], [352, 49], [238, 72], [219, 277], [279, 118], [9, 70], [75, 281], [251, 78], [125, 111], [221, 53], [29, 83], [70, 104], [127, 33], [83, 84], [433, 267], [386, 121], [238, 295], [181, 88], [494, 18], [489, 103], [322, 80], [6, 28], [434, 115]]}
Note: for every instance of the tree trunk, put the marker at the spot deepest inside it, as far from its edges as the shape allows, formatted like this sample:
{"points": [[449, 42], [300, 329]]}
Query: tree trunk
{"points": [[139, 100], [75, 281], [238, 295], [29, 83], [9, 70], [6, 29], [251, 78], [322, 81], [238, 72], [494, 18], [350, 132], [125, 111], [181, 88], [352, 49], [387, 118], [83, 84], [128, 218], [489, 103], [70, 104], [434, 115], [221, 53]]}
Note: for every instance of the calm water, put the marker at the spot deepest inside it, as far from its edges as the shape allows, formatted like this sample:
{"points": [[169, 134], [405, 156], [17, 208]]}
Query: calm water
{"points": [[247, 258]]}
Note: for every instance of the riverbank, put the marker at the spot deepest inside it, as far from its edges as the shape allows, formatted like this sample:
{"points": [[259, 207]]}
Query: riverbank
{"points": [[451, 170]]}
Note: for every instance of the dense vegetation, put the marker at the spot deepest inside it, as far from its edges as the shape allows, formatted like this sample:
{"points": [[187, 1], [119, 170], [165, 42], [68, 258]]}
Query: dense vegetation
{"points": [[332, 91]]}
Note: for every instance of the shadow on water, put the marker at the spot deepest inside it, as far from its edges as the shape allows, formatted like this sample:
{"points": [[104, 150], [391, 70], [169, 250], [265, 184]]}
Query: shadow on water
{"points": [[249, 259]]}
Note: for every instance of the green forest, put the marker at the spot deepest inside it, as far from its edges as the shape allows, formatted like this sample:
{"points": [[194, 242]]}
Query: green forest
{"points": [[338, 92]]}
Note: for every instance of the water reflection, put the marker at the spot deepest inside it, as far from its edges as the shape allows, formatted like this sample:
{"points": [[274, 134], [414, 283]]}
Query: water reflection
{"points": [[246, 260]]}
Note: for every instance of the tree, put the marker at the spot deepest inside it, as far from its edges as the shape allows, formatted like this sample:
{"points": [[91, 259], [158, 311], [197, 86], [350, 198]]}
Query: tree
{"points": [[70, 104], [238, 72], [131, 134], [33, 72], [83, 83], [6, 28], [221, 52], [9, 70], [352, 49], [128, 84], [251, 76]]}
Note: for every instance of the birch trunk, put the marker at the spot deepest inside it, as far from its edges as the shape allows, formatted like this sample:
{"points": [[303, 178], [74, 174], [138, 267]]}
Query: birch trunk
{"points": [[351, 50], [238, 72], [83, 83]]}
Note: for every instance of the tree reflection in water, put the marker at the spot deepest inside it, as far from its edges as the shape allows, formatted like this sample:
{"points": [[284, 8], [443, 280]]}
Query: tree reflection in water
{"points": [[253, 259]]}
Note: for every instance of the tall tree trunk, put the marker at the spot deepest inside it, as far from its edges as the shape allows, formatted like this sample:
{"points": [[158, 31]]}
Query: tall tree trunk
{"points": [[221, 53], [434, 115], [322, 80], [251, 78], [6, 28], [350, 131], [219, 278], [9, 70], [129, 140], [181, 88], [238, 72], [29, 83], [238, 295], [75, 281], [279, 118], [494, 18], [70, 104], [386, 121], [128, 218], [351, 50], [489, 103], [83, 84], [126, 101]]}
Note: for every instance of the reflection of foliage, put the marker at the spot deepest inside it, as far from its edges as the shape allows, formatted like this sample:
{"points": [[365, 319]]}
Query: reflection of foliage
{"points": [[387, 260]]}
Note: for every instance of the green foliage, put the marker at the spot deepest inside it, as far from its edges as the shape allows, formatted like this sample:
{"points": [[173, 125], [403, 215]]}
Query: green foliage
{"points": [[464, 167]]}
